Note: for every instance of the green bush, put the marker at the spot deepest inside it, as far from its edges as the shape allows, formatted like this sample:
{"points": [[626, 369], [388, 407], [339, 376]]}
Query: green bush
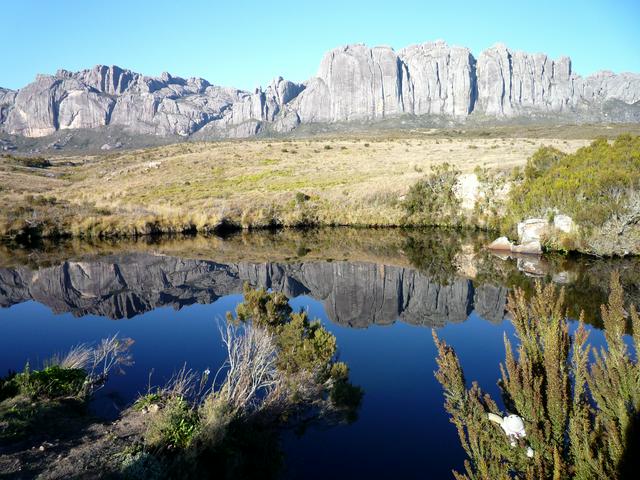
{"points": [[147, 400], [51, 382], [304, 346], [580, 404], [263, 308], [432, 200], [174, 426], [541, 161], [592, 185]]}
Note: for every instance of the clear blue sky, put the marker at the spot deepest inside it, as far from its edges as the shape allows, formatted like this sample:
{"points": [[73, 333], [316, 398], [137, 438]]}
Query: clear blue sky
{"points": [[246, 43]]}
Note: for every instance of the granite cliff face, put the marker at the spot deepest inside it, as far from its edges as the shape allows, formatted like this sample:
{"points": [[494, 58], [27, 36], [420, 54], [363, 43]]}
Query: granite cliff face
{"points": [[354, 294], [353, 83]]}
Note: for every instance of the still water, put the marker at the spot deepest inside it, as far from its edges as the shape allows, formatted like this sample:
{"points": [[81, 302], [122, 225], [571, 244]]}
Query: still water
{"points": [[379, 292]]}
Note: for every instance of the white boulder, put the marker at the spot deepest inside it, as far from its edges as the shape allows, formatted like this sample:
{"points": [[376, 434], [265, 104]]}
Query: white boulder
{"points": [[531, 230], [564, 223]]}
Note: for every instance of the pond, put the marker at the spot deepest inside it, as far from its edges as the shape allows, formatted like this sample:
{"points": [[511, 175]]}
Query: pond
{"points": [[380, 292]]}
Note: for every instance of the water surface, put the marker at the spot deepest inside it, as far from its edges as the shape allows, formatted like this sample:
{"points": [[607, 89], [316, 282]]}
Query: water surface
{"points": [[379, 292]]}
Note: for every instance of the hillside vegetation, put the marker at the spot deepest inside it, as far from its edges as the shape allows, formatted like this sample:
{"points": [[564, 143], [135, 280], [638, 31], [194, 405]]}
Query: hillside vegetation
{"points": [[397, 180], [598, 186]]}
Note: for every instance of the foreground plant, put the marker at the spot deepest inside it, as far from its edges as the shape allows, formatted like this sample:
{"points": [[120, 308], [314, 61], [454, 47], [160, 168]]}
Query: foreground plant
{"points": [[280, 370], [581, 417], [36, 401], [78, 373]]}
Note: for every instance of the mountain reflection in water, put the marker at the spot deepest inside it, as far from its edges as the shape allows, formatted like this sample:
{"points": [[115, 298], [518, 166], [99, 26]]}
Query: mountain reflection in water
{"points": [[426, 278]]}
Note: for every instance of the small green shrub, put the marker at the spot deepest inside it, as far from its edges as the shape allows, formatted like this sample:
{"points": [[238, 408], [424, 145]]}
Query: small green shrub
{"points": [[263, 308], [147, 400], [432, 201], [304, 346], [301, 197], [51, 382], [174, 426]]}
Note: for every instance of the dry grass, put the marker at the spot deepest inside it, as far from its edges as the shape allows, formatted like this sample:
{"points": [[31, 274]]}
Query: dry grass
{"points": [[329, 181]]}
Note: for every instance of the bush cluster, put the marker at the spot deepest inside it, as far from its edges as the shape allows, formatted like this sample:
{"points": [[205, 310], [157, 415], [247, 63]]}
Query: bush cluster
{"points": [[279, 366], [303, 345], [51, 382], [593, 185], [432, 201]]}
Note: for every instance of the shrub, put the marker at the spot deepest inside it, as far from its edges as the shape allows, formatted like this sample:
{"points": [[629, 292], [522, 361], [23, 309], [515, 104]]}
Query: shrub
{"points": [[263, 308], [432, 201], [173, 426], [304, 346], [594, 185], [52, 382], [301, 197], [145, 401], [580, 406], [31, 162], [78, 373]]}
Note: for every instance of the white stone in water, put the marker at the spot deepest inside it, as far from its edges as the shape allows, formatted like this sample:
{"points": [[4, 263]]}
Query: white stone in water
{"points": [[501, 244]]}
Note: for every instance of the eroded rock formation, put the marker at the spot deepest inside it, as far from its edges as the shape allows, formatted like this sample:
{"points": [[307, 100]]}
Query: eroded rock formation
{"points": [[353, 83]]}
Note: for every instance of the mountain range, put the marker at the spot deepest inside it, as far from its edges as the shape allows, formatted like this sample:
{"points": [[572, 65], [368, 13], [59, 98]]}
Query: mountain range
{"points": [[354, 83]]}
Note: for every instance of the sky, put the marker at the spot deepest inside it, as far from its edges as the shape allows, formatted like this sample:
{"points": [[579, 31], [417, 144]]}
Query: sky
{"points": [[245, 44]]}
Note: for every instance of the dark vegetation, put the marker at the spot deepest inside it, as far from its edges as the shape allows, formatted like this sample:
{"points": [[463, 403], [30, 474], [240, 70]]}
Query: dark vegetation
{"points": [[432, 201], [31, 162], [580, 405]]}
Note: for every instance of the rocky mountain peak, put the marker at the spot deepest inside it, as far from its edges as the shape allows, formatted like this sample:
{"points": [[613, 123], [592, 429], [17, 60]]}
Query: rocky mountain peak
{"points": [[353, 83]]}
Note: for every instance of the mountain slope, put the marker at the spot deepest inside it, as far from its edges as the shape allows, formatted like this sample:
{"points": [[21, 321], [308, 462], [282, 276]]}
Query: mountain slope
{"points": [[353, 83]]}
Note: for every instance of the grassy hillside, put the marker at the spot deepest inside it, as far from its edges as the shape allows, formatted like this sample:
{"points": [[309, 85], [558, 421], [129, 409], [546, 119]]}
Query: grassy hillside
{"points": [[203, 186], [394, 180]]}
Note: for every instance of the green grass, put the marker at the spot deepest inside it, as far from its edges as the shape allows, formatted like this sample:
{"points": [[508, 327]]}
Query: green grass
{"points": [[51, 382]]}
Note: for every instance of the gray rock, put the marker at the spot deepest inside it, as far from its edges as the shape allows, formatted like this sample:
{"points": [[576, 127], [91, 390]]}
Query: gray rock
{"points": [[531, 247], [501, 244], [532, 230], [353, 83], [563, 223], [441, 79]]}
